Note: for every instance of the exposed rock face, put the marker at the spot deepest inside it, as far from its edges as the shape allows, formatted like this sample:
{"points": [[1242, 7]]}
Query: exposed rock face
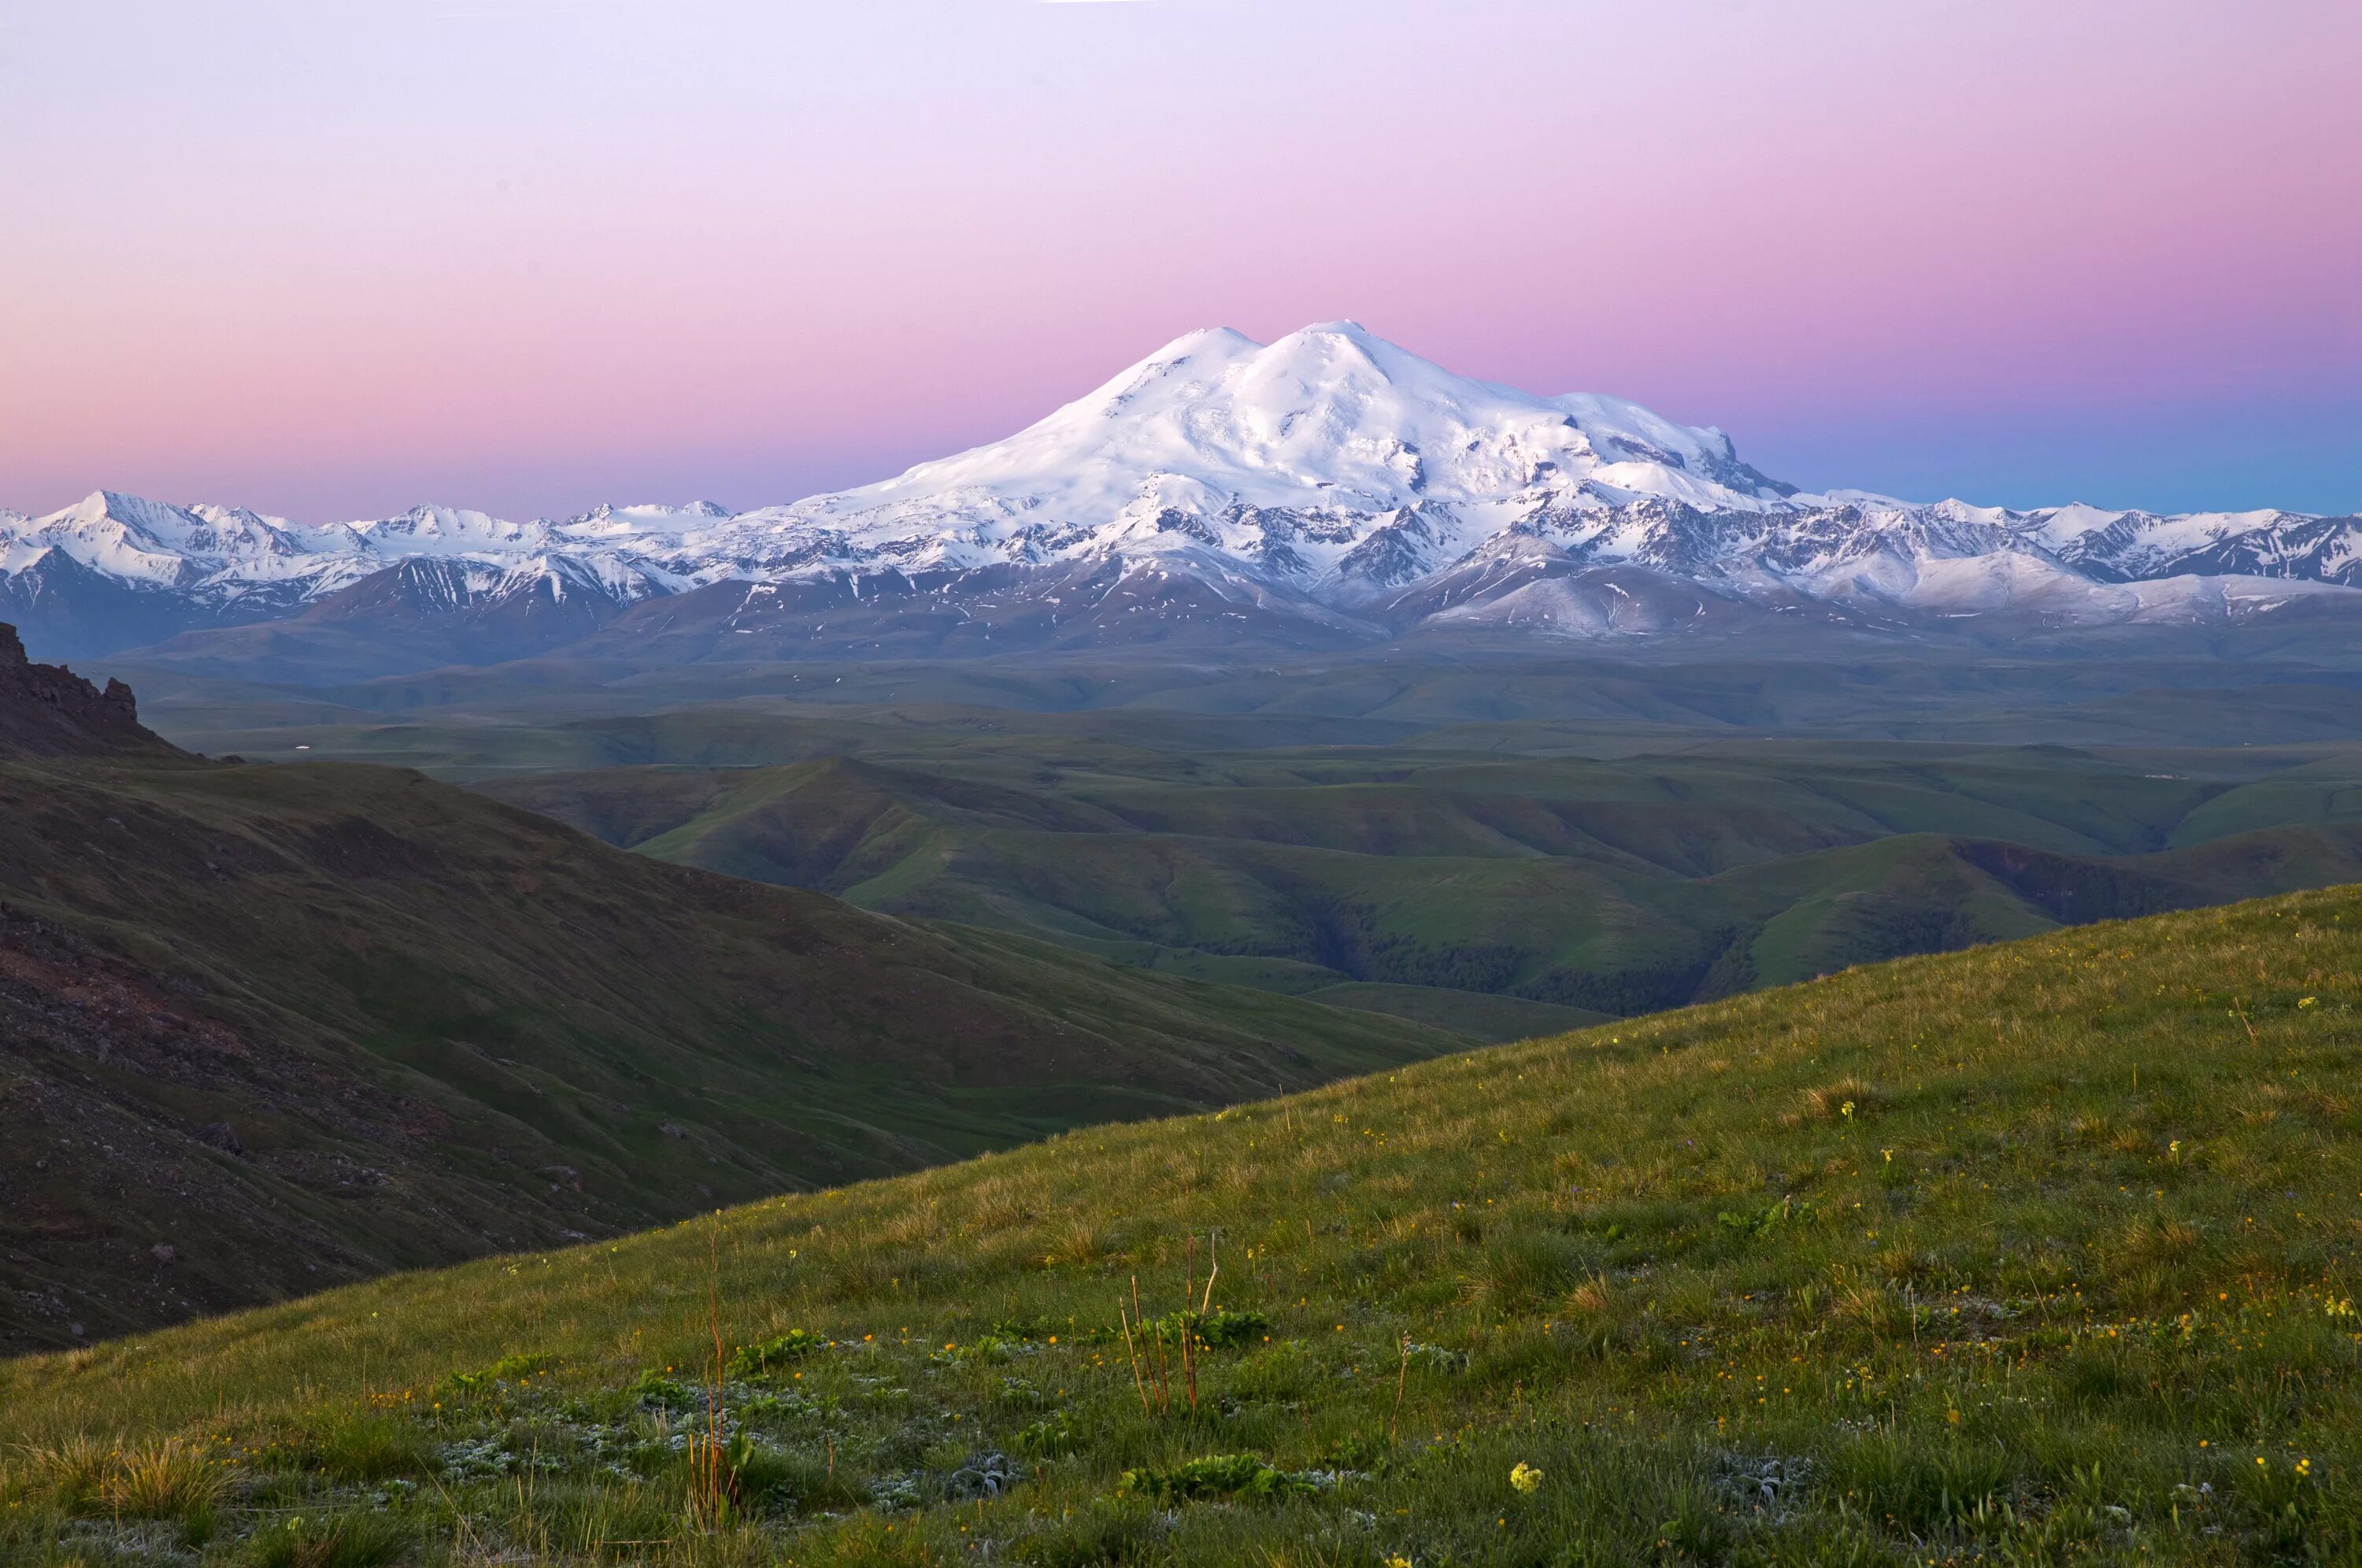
{"points": [[47, 710]]}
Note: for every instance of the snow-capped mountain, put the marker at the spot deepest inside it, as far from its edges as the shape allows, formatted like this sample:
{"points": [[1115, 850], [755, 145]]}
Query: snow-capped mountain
{"points": [[1328, 487]]}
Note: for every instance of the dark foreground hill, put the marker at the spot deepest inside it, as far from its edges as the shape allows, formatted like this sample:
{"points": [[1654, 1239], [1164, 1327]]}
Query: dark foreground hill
{"points": [[267, 1027], [2037, 1254]]}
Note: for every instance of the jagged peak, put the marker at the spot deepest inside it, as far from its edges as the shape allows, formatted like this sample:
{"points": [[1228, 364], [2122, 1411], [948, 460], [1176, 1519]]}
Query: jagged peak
{"points": [[133, 510]]}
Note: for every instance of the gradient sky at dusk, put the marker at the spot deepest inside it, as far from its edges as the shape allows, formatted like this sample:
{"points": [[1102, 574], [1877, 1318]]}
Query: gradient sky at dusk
{"points": [[331, 260]]}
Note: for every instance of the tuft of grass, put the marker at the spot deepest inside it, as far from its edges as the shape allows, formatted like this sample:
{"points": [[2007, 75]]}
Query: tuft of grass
{"points": [[1109, 1531], [1873, 1307], [68, 1473], [373, 1445], [168, 1477], [337, 1541], [1514, 1272], [1849, 1096], [165, 1479], [1594, 1298], [1082, 1243]]}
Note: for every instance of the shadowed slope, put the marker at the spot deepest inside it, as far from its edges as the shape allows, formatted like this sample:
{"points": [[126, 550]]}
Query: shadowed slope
{"points": [[263, 1028]]}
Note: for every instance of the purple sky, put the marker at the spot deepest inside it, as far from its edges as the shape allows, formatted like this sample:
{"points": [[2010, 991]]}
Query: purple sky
{"points": [[329, 260]]}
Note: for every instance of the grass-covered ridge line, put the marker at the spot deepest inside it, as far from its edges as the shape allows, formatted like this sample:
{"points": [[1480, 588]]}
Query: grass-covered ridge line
{"points": [[2039, 1252]]}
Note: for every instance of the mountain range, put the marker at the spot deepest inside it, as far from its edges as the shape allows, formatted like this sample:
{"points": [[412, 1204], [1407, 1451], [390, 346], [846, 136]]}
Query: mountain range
{"points": [[1329, 490]]}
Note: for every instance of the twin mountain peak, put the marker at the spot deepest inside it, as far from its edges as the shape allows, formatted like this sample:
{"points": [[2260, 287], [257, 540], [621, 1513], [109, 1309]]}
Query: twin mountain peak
{"points": [[1327, 489]]}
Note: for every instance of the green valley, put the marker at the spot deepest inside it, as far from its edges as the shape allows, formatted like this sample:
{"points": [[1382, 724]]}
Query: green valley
{"points": [[1606, 886], [1502, 846]]}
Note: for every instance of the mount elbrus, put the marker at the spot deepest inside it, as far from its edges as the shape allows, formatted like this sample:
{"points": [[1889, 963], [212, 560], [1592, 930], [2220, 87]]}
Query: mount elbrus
{"points": [[1326, 489]]}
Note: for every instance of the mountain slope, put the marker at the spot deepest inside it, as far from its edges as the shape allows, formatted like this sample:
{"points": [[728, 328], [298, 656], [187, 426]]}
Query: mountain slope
{"points": [[264, 1028], [1326, 489], [2039, 1252]]}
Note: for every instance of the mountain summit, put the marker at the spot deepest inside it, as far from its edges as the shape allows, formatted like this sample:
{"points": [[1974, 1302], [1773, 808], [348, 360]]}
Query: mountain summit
{"points": [[1327, 489], [1313, 443]]}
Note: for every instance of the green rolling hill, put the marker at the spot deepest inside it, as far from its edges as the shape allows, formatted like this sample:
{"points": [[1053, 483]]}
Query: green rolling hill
{"points": [[1505, 845], [2041, 1253], [1602, 886]]}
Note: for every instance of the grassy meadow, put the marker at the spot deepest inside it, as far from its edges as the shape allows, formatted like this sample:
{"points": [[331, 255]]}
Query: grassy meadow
{"points": [[2042, 1253]]}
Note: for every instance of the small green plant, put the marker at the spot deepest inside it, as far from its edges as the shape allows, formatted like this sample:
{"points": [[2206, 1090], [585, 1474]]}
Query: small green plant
{"points": [[1051, 1330], [1434, 1358], [1217, 1476], [990, 1348], [1217, 1330], [1764, 1221], [770, 1356], [508, 1369], [1050, 1438]]}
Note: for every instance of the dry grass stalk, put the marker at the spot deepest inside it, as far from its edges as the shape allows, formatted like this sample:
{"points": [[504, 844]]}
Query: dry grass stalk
{"points": [[712, 1483], [1132, 1350], [1594, 1297]]}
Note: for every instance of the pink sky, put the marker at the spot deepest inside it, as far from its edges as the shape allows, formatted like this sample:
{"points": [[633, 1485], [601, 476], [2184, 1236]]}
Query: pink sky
{"points": [[331, 260]]}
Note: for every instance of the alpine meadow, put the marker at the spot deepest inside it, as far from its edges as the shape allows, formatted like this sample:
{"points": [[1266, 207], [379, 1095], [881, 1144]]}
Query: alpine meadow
{"points": [[2040, 1253]]}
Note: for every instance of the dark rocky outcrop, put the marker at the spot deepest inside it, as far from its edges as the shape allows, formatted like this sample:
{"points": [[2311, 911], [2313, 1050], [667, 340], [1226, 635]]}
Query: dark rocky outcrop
{"points": [[47, 709]]}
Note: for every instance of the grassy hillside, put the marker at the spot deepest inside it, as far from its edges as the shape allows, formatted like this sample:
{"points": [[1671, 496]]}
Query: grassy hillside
{"points": [[2034, 1254], [265, 1028]]}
